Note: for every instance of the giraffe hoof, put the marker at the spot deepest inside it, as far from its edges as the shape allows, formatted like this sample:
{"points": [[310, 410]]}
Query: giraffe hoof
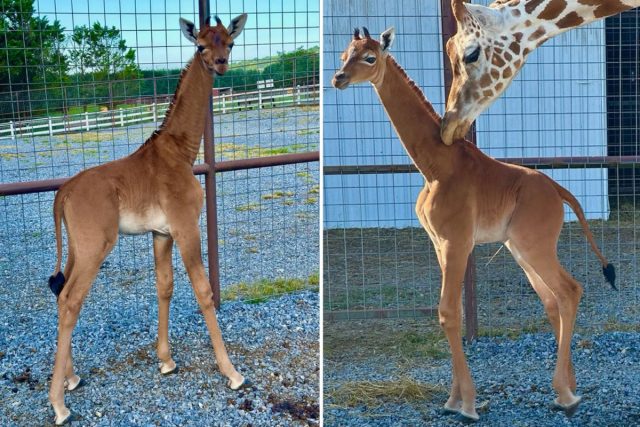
{"points": [[74, 386], [466, 418], [451, 409], [570, 409], [70, 417], [168, 368], [244, 385]]}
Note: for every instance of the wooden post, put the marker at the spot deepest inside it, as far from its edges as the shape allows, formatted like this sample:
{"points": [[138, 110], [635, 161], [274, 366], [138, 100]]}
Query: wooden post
{"points": [[210, 187], [449, 28]]}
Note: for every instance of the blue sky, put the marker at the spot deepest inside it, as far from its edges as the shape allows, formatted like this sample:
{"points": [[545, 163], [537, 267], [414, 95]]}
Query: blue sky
{"points": [[151, 26]]}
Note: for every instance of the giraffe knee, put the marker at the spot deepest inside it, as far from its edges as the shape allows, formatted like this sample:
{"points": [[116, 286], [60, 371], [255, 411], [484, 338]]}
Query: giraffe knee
{"points": [[204, 295], [165, 291], [448, 318]]}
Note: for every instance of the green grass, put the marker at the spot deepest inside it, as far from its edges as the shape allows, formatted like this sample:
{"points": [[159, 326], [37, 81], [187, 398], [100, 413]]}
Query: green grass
{"points": [[308, 132], [264, 289], [90, 108], [248, 207], [277, 195]]}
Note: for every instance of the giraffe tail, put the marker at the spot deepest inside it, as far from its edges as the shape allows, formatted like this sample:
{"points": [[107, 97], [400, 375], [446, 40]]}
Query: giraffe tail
{"points": [[608, 269], [56, 281]]}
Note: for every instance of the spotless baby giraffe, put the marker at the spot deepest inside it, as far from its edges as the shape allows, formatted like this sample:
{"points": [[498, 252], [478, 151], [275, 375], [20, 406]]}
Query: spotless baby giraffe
{"points": [[470, 198], [493, 43], [152, 190]]}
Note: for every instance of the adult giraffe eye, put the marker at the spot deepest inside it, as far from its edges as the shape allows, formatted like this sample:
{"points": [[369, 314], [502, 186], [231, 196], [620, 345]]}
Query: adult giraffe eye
{"points": [[472, 57], [370, 59], [200, 48]]}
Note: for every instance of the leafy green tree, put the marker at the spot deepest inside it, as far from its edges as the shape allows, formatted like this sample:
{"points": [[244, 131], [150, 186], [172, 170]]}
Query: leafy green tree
{"points": [[32, 49], [101, 50], [300, 67], [106, 69]]}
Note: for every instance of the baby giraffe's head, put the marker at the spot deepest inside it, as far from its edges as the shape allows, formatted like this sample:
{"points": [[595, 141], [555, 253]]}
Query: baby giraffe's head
{"points": [[364, 59], [214, 42]]}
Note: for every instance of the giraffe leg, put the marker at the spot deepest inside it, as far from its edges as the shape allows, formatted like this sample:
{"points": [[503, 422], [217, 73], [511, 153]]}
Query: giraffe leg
{"points": [[567, 292], [188, 240], [162, 247], [463, 393], [549, 302], [69, 305]]}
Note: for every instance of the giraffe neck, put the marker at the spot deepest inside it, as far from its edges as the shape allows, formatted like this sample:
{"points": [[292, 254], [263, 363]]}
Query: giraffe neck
{"points": [[415, 121], [184, 121], [540, 20]]}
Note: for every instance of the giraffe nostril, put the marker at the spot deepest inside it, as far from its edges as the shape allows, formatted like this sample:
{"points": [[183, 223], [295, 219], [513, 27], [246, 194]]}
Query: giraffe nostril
{"points": [[221, 61]]}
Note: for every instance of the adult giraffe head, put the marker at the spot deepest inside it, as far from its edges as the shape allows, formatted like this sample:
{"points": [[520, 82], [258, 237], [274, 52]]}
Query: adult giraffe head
{"points": [[214, 42], [493, 43]]}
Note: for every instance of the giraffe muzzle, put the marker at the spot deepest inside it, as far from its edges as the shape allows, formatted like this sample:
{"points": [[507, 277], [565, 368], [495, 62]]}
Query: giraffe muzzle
{"points": [[340, 80], [453, 128]]}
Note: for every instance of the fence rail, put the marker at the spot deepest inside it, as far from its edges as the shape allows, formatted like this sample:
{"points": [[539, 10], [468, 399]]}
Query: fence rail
{"points": [[222, 103]]}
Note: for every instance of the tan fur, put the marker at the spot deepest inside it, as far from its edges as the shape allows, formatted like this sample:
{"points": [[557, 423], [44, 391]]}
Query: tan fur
{"points": [[151, 190], [470, 198]]}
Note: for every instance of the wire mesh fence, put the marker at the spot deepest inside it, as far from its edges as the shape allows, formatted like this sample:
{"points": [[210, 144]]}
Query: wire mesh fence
{"points": [[54, 71], [572, 113]]}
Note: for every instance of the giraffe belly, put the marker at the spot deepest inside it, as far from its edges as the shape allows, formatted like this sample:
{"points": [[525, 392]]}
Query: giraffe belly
{"points": [[135, 223]]}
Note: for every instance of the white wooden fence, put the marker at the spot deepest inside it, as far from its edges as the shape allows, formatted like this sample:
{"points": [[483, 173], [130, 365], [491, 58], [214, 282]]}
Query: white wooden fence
{"points": [[222, 104]]}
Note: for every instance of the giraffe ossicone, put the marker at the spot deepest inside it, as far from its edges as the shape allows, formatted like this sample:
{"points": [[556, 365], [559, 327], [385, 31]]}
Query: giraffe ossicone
{"points": [[493, 43]]}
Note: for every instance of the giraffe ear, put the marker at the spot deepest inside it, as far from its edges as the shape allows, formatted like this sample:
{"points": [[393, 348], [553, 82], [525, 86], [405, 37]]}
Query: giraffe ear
{"points": [[189, 30], [387, 38], [237, 25], [486, 16]]}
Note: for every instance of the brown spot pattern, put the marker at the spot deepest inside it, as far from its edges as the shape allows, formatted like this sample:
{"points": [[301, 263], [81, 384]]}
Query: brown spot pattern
{"points": [[485, 80], [515, 48], [570, 20], [532, 5], [553, 10], [487, 93], [498, 61], [507, 73], [499, 87], [495, 73], [508, 56], [515, 12], [537, 34], [518, 36]]}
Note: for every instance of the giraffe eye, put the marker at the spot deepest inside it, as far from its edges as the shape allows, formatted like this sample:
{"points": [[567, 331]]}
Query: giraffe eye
{"points": [[200, 48], [370, 59], [472, 57]]}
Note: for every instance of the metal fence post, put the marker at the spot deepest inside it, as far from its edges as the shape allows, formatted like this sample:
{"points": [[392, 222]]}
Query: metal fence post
{"points": [[470, 302], [13, 130], [210, 186]]}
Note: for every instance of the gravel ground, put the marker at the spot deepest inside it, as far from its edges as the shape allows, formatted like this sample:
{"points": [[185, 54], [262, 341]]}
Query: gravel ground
{"points": [[514, 376], [268, 228]]}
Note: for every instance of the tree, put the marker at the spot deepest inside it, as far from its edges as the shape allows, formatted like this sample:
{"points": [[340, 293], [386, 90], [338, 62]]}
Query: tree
{"points": [[101, 50], [300, 67], [32, 49], [98, 53]]}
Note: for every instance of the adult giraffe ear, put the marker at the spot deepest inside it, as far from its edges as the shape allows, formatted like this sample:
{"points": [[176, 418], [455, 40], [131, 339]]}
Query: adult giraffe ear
{"points": [[486, 16], [189, 30], [387, 38], [237, 25]]}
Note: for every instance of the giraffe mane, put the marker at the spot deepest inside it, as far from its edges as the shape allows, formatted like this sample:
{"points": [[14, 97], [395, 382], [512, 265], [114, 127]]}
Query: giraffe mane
{"points": [[169, 111], [432, 112]]}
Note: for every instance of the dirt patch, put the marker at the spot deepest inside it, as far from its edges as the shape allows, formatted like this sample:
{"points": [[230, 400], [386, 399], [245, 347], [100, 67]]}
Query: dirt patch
{"points": [[299, 410]]}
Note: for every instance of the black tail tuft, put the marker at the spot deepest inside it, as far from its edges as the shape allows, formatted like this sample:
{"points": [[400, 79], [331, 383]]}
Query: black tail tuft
{"points": [[610, 274], [56, 283]]}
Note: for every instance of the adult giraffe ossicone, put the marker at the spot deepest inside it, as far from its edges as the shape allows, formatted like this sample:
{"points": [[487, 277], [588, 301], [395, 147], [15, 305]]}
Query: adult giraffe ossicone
{"points": [[151, 190], [493, 43], [470, 198]]}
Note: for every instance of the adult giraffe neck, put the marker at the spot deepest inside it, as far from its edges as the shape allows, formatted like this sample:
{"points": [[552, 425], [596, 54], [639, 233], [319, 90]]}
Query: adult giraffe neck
{"points": [[415, 121]]}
